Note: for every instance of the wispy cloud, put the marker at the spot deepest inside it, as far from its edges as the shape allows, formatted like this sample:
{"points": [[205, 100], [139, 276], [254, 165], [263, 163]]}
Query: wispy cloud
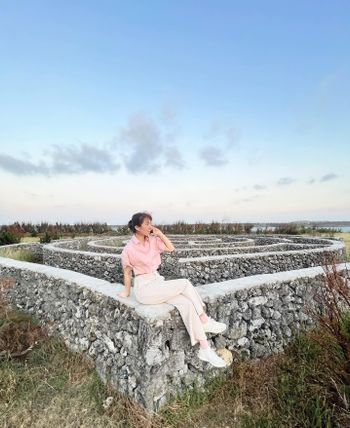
{"points": [[142, 146], [226, 136], [82, 158], [212, 156], [63, 160], [328, 177], [173, 157], [285, 181], [145, 146], [259, 187], [18, 166], [247, 199], [310, 181], [222, 139]]}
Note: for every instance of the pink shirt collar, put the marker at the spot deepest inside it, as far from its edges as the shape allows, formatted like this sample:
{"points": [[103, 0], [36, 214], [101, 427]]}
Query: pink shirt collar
{"points": [[136, 241]]}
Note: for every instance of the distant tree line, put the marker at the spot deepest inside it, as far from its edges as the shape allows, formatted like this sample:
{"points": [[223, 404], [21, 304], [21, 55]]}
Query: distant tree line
{"points": [[216, 228], [13, 233]]}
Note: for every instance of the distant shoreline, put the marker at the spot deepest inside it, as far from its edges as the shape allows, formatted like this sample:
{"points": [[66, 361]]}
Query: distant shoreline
{"points": [[331, 224]]}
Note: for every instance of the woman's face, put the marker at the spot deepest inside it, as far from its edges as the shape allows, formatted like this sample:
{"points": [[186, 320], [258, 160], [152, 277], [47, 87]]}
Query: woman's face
{"points": [[145, 227]]}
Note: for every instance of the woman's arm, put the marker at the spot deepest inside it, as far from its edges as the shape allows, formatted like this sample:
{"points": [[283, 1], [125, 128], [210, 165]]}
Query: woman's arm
{"points": [[167, 242], [127, 282]]}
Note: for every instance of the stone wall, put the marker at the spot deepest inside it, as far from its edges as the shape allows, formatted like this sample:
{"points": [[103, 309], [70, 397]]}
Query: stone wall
{"points": [[267, 256], [202, 270], [144, 350], [99, 265]]}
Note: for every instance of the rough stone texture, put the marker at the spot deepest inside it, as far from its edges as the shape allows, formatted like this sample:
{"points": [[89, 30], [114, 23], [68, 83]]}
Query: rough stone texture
{"points": [[144, 350], [262, 255], [68, 255]]}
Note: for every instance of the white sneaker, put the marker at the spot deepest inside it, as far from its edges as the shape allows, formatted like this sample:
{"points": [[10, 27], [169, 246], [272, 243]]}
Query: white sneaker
{"points": [[213, 326], [210, 356]]}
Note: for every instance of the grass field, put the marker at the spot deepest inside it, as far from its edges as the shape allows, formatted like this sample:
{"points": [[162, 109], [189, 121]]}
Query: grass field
{"points": [[346, 238], [55, 387]]}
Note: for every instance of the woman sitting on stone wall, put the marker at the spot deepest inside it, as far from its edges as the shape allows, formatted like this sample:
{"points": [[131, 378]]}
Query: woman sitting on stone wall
{"points": [[142, 256]]}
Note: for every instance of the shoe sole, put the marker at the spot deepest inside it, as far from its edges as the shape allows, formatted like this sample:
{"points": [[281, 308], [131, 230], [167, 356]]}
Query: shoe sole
{"points": [[215, 332], [207, 361], [214, 365]]}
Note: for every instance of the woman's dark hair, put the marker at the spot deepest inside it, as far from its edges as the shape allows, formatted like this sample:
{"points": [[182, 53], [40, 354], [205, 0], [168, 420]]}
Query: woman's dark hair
{"points": [[137, 220]]}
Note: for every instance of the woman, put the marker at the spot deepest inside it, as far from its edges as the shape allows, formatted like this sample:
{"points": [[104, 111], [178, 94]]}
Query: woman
{"points": [[142, 256]]}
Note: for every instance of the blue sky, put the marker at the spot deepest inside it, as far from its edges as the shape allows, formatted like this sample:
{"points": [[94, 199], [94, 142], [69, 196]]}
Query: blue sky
{"points": [[195, 111]]}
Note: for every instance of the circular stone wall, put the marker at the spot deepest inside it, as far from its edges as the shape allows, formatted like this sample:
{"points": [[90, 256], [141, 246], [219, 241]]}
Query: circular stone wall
{"points": [[201, 259]]}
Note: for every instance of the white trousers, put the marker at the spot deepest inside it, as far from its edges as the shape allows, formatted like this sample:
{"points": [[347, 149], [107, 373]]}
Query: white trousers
{"points": [[151, 288]]}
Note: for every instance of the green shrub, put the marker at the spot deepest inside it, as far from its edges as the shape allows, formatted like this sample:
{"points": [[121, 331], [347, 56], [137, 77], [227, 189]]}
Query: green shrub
{"points": [[45, 239], [7, 238], [345, 325], [34, 233]]}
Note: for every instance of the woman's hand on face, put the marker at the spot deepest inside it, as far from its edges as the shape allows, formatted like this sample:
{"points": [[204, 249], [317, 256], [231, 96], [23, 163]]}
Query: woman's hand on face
{"points": [[156, 231], [123, 293]]}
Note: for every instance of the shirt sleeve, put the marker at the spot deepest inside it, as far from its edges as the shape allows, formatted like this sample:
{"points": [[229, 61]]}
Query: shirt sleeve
{"points": [[125, 259], [160, 244]]}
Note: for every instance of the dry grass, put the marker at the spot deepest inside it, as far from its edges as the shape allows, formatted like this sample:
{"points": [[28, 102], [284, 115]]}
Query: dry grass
{"points": [[20, 254], [52, 386], [29, 239], [345, 236]]}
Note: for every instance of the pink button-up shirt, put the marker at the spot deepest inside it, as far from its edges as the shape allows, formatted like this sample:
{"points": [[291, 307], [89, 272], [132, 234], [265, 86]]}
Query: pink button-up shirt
{"points": [[143, 258]]}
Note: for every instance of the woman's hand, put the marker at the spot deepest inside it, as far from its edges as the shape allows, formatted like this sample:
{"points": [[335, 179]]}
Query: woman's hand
{"points": [[124, 293], [160, 234], [156, 231]]}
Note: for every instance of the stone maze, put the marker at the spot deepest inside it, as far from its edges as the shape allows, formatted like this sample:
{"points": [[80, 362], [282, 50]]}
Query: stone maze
{"points": [[259, 285]]}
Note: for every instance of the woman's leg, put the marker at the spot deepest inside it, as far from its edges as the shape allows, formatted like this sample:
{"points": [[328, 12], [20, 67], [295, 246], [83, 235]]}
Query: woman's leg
{"points": [[190, 318], [188, 303], [191, 292], [159, 290]]}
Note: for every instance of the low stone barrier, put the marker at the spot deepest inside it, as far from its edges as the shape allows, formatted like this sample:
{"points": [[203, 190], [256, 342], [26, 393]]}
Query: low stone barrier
{"points": [[219, 266], [144, 350], [203, 270]]}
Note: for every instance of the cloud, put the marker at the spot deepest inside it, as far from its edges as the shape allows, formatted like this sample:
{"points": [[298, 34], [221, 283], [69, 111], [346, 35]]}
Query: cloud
{"points": [[259, 187], [227, 136], [174, 157], [145, 146], [141, 141], [310, 181], [233, 135], [328, 177], [212, 156], [22, 167], [284, 181], [168, 114], [247, 199], [222, 139], [63, 160], [80, 159], [142, 146]]}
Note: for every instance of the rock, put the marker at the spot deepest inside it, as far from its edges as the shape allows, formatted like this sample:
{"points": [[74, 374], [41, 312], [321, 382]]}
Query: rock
{"points": [[226, 355]]}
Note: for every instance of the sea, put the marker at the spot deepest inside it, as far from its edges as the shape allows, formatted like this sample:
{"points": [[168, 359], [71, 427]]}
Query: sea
{"points": [[341, 228]]}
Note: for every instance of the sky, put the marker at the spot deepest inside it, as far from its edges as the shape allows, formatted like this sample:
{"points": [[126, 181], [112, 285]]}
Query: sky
{"points": [[190, 110]]}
